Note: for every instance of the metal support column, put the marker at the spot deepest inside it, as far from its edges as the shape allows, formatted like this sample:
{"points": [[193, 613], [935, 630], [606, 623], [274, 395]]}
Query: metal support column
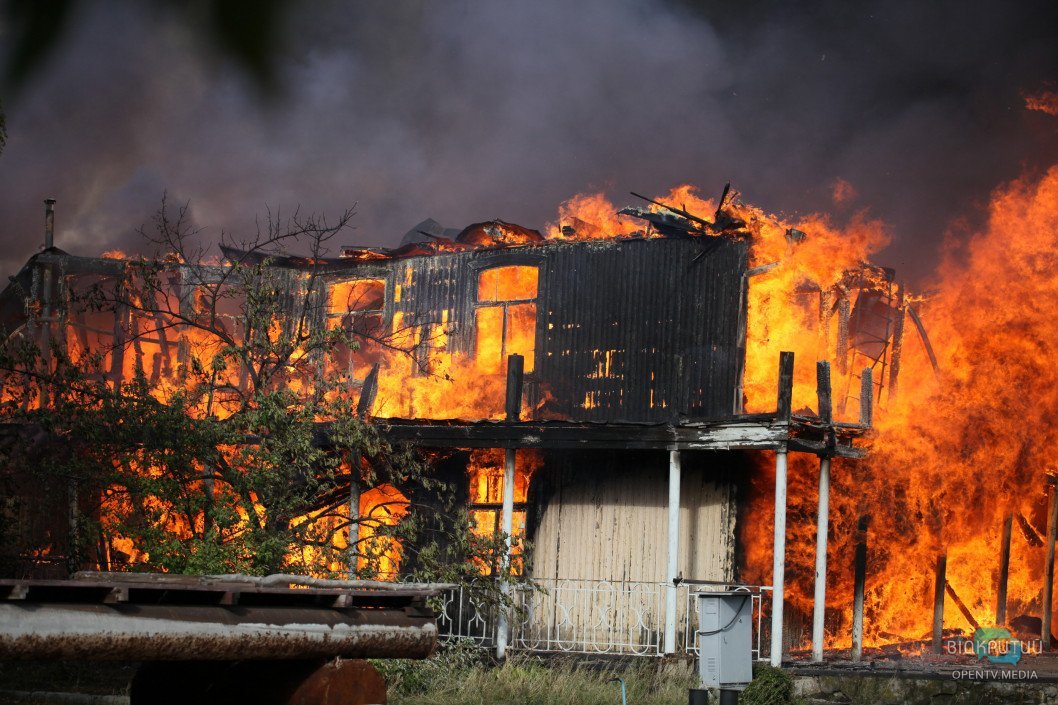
{"points": [[515, 368], [672, 566], [823, 396], [783, 413], [822, 526], [507, 527], [779, 559]]}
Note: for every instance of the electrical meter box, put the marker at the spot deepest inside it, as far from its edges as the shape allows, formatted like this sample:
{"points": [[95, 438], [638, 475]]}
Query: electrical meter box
{"points": [[725, 624]]}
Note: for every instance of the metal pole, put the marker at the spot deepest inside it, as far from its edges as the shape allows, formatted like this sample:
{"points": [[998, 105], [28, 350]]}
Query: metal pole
{"points": [[779, 559], [822, 526], [823, 395], [1004, 572], [1048, 577], [673, 551], [515, 368], [784, 409], [507, 527]]}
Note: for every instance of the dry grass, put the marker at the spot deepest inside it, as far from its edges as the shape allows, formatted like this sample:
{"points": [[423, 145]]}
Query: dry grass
{"points": [[461, 676]]}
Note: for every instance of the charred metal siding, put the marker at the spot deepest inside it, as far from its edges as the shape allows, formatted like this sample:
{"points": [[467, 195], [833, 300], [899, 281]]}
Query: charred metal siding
{"points": [[641, 330]]}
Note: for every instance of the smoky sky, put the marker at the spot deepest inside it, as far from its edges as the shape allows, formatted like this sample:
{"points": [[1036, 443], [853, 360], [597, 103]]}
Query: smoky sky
{"points": [[465, 111]]}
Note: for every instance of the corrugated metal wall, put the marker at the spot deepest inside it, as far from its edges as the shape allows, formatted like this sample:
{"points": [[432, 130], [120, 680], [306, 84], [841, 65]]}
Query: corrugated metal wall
{"points": [[644, 330], [604, 516], [598, 528]]}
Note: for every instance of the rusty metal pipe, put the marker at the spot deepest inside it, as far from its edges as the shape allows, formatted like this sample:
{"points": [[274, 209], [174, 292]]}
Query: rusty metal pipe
{"points": [[33, 630]]}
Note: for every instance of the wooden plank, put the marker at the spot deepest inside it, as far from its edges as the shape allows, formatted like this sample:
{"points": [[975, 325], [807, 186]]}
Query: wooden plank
{"points": [[1004, 572], [961, 605], [940, 581], [515, 369]]}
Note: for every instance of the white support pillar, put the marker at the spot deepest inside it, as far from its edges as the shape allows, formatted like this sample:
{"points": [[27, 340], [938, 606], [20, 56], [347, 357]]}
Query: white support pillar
{"points": [[672, 566], [507, 527], [779, 558], [822, 527]]}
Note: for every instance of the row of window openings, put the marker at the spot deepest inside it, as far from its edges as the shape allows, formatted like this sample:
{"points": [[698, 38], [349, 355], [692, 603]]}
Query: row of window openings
{"points": [[504, 318]]}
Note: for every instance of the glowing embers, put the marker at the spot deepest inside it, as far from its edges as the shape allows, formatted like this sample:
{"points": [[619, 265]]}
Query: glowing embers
{"points": [[356, 307], [485, 472], [506, 317]]}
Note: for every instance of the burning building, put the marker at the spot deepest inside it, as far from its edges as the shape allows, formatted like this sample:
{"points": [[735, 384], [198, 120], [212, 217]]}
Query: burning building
{"points": [[609, 391]]}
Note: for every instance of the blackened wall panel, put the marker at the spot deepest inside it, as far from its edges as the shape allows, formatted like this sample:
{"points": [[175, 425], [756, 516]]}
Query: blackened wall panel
{"points": [[644, 330]]}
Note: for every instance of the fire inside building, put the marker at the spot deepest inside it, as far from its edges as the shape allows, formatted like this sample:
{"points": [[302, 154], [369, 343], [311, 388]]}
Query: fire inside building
{"points": [[607, 395]]}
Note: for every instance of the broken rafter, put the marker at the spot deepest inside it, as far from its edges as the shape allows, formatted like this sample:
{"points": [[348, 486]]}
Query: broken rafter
{"points": [[1029, 531], [961, 605]]}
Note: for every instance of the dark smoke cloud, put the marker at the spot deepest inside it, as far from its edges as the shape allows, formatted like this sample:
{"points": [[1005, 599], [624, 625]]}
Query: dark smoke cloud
{"points": [[471, 110]]}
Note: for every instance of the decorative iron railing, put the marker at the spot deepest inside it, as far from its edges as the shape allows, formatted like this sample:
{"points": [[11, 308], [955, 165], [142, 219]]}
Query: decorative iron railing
{"points": [[591, 617]]}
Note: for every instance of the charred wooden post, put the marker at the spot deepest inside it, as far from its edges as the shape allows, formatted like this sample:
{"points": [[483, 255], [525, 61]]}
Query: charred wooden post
{"points": [[783, 414], [785, 395], [823, 395], [859, 585], [938, 602], [49, 223], [866, 396], [844, 313], [673, 541], [898, 342], [1048, 575], [515, 369], [1004, 572]]}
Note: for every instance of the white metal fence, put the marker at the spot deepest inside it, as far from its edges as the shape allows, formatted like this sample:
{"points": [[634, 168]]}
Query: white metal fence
{"points": [[592, 617]]}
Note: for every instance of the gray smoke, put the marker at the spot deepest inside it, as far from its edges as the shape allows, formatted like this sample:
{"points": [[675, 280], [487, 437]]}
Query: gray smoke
{"points": [[471, 110]]}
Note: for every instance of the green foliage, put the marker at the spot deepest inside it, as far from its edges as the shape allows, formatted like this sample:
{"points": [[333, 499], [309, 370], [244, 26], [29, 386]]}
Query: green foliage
{"points": [[770, 686], [238, 457], [460, 674]]}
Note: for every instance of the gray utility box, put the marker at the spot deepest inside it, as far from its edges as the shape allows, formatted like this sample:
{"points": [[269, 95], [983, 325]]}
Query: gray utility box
{"points": [[725, 657]]}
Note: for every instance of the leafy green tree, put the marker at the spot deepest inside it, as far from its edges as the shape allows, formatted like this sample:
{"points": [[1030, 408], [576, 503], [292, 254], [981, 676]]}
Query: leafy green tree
{"points": [[238, 452]]}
